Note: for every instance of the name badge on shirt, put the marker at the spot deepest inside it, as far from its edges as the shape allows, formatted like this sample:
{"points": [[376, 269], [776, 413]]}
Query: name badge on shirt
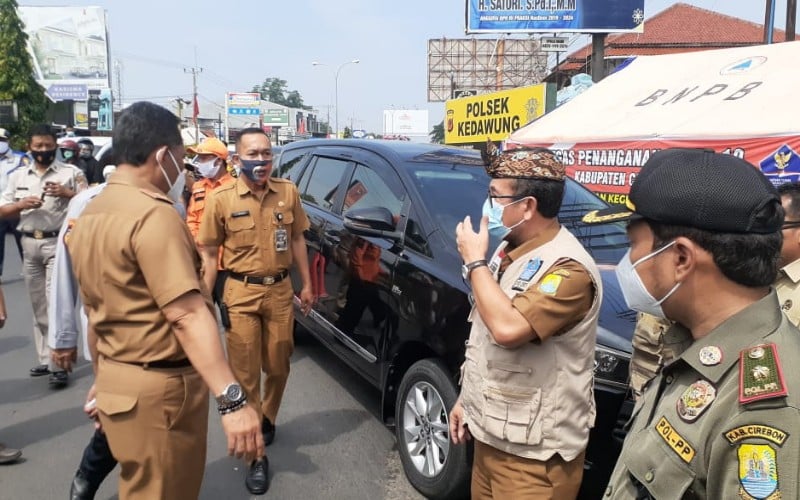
{"points": [[243, 213], [281, 240], [524, 281]]}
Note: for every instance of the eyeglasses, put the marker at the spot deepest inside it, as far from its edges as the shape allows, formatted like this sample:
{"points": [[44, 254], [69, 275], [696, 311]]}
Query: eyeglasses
{"points": [[791, 224], [493, 196]]}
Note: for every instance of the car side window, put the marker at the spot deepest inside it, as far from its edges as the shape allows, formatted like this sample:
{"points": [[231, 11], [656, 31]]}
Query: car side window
{"points": [[290, 164], [367, 189], [320, 186]]}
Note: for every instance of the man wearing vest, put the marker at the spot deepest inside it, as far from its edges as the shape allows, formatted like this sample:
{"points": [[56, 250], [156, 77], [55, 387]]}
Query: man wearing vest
{"points": [[526, 387]]}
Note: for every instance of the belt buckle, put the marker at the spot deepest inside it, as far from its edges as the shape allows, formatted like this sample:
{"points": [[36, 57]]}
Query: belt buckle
{"points": [[269, 280], [38, 235]]}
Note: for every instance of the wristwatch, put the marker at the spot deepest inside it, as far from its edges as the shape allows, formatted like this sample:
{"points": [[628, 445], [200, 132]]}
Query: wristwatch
{"points": [[466, 269], [231, 396]]}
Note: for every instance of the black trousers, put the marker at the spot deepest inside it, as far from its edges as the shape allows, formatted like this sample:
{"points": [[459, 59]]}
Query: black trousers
{"points": [[97, 461], [8, 226]]}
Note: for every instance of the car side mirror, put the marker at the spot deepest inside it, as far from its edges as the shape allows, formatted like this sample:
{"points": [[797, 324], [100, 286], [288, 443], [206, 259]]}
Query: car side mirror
{"points": [[372, 221]]}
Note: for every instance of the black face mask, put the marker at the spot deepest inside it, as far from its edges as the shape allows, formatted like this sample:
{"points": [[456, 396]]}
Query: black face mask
{"points": [[45, 158]]}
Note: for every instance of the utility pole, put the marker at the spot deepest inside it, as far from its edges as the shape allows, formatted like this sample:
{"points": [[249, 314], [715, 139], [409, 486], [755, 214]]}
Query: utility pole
{"points": [[769, 21], [791, 19], [194, 71]]}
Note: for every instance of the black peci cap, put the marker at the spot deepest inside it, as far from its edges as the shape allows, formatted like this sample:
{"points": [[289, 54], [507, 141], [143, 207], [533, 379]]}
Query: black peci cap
{"points": [[701, 189]]}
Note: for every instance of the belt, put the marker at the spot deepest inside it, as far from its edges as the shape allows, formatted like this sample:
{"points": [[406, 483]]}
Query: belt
{"points": [[164, 363], [259, 280], [40, 235]]}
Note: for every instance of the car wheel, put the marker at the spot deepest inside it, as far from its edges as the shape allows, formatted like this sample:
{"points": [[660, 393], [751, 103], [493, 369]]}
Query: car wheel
{"points": [[433, 464]]}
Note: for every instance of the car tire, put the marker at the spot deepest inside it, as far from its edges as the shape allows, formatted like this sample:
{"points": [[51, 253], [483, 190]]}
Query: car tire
{"points": [[433, 464]]}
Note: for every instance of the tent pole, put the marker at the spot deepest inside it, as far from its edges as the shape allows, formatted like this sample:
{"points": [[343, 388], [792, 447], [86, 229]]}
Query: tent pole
{"points": [[598, 56], [769, 21]]}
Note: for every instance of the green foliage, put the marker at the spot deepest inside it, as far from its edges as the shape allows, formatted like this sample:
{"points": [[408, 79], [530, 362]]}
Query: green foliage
{"points": [[16, 75], [277, 90], [437, 134]]}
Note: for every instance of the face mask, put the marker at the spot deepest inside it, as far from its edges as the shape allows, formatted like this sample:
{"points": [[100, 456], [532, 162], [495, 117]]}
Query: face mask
{"points": [[68, 154], [254, 170], [176, 189], [4, 147], [495, 215], [45, 158], [636, 295], [208, 169], [85, 153]]}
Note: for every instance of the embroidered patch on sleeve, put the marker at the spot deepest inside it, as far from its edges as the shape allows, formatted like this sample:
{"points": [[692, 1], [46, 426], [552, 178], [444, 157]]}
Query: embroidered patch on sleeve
{"points": [[550, 283], [758, 472], [772, 434]]}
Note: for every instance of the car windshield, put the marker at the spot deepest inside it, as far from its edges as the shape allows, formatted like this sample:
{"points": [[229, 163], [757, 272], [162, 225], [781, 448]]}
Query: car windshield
{"points": [[454, 191]]}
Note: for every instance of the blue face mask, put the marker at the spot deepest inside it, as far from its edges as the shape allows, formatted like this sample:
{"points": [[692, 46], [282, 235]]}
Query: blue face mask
{"points": [[254, 170], [495, 214]]}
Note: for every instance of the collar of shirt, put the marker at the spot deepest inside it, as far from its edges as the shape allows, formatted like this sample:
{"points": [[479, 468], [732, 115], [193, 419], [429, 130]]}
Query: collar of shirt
{"points": [[215, 183], [535, 242], [242, 188], [792, 271], [124, 178], [734, 334]]}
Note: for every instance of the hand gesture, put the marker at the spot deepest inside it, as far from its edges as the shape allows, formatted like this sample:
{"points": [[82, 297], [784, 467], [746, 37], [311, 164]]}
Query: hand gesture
{"points": [[306, 299], [459, 432], [30, 202], [471, 245], [57, 190], [243, 429]]}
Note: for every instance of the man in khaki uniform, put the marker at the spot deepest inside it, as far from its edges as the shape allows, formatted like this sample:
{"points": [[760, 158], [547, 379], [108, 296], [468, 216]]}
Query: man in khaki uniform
{"points": [[721, 421], [649, 351], [526, 388], [259, 222], [152, 336], [39, 193]]}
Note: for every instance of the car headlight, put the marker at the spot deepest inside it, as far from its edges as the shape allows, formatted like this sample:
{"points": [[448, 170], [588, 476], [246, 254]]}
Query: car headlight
{"points": [[611, 366]]}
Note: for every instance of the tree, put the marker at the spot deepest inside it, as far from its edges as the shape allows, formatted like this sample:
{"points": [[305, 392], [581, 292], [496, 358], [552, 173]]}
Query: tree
{"points": [[277, 90], [16, 74], [437, 134]]}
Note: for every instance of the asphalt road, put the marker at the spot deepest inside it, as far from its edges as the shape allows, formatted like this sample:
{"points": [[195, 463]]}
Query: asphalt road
{"points": [[330, 442]]}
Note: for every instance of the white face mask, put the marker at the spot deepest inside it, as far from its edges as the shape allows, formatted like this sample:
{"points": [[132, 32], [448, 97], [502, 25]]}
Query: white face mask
{"points": [[176, 188], [4, 147], [636, 295], [208, 169]]}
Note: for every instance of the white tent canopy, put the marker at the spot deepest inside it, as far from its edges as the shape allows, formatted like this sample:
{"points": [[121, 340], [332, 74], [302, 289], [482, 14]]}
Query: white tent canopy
{"points": [[717, 94]]}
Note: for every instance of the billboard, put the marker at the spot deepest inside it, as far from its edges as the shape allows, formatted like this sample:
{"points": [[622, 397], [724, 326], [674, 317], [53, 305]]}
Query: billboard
{"points": [[496, 115], [69, 48], [243, 103], [405, 122], [527, 16]]}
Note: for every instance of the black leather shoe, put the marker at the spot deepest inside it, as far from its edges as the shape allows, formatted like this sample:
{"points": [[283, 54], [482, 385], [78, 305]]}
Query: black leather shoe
{"points": [[9, 455], [39, 370], [58, 380], [268, 430], [257, 480], [81, 489]]}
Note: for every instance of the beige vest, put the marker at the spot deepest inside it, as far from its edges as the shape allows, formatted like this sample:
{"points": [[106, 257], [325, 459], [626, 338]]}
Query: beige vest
{"points": [[536, 400]]}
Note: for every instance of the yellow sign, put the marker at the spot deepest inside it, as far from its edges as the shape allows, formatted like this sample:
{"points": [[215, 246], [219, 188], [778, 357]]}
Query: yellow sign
{"points": [[494, 116]]}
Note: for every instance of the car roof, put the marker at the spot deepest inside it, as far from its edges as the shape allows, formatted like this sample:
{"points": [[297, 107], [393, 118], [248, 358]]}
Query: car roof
{"points": [[403, 150]]}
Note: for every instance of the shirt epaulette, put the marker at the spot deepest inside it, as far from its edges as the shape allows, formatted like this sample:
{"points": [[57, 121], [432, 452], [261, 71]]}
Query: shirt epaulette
{"points": [[760, 374], [156, 195]]}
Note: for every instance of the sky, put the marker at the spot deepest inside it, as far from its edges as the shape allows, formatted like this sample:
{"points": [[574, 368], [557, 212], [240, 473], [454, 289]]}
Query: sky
{"points": [[239, 43]]}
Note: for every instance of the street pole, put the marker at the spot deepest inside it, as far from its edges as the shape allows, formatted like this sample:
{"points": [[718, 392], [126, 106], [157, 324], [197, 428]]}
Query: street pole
{"points": [[791, 19], [769, 21], [194, 71], [336, 87]]}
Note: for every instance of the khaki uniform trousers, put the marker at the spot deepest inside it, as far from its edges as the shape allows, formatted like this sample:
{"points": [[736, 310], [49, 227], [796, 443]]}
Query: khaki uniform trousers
{"points": [[37, 269], [500, 476], [156, 421], [260, 338]]}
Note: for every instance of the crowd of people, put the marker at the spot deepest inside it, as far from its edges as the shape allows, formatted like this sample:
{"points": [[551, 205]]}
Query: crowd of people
{"points": [[713, 273]]}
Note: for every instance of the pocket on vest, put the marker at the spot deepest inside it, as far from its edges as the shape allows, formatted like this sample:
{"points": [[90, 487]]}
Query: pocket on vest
{"points": [[512, 414]]}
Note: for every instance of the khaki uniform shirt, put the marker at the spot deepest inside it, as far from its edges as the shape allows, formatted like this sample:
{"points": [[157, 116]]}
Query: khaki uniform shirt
{"points": [[722, 421], [27, 181], [247, 226], [788, 288], [132, 255]]}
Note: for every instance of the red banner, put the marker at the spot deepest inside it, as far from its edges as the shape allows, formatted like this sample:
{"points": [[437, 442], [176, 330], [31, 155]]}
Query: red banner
{"points": [[609, 168]]}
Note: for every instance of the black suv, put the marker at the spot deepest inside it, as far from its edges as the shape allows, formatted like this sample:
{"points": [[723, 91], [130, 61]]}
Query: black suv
{"points": [[391, 302]]}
